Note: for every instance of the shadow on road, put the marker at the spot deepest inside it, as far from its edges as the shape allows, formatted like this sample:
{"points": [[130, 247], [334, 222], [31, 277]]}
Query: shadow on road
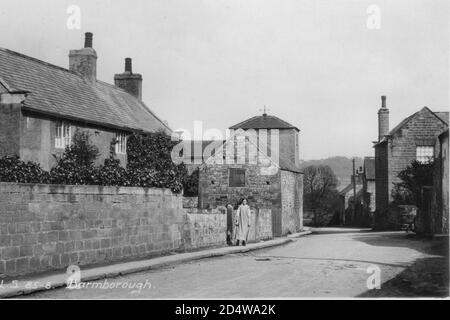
{"points": [[330, 230], [426, 245], [426, 277]]}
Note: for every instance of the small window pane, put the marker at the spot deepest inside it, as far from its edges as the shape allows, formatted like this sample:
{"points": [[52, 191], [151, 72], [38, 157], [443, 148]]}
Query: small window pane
{"points": [[62, 134], [424, 153], [121, 143]]}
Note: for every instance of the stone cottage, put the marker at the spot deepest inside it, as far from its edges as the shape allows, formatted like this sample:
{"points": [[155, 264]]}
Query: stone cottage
{"points": [[259, 162], [41, 106], [415, 138]]}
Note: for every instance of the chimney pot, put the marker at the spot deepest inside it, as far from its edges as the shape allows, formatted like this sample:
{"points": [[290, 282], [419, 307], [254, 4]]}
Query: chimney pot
{"points": [[88, 40], [84, 61], [128, 65], [383, 101], [128, 81], [383, 119]]}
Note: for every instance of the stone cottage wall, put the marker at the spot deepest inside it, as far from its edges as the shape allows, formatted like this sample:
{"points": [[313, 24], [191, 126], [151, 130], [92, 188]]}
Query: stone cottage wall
{"points": [[47, 227], [37, 140], [262, 191], [397, 154]]}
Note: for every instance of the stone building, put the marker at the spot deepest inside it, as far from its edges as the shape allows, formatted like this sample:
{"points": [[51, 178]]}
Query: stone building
{"points": [[414, 138], [42, 105], [439, 223], [369, 193], [346, 197], [258, 162]]}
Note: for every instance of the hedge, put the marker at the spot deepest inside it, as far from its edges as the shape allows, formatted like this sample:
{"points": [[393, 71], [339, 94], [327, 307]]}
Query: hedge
{"points": [[149, 165]]}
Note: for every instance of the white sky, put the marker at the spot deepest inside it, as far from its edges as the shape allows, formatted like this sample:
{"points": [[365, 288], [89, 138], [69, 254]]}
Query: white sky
{"points": [[315, 64]]}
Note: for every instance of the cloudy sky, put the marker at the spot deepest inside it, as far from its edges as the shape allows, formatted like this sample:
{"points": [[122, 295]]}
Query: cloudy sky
{"points": [[315, 64]]}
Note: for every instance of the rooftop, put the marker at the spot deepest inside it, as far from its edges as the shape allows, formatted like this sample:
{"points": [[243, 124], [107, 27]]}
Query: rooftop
{"points": [[59, 92], [264, 121]]}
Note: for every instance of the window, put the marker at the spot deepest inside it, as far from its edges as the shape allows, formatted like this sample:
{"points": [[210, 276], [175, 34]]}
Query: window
{"points": [[121, 143], [424, 153], [62, 134], [237, 178]]}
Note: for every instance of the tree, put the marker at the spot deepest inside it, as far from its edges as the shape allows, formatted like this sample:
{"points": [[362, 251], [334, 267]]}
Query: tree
{"points": [[76, 165], [413, 178], [319, 189]]}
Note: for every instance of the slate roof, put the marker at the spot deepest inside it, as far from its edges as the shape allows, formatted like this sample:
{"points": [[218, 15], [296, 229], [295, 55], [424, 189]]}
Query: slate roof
{"points": [[442, 115], [264, 122], [369, 168], [62, 93]]}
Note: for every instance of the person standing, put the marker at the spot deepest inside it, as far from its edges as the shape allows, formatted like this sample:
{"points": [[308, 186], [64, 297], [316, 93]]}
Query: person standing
{"points": [[242, 223]]}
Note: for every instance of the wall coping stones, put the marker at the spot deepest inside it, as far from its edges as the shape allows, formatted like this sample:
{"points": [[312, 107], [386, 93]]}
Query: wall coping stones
{"points": [[13, 187]]}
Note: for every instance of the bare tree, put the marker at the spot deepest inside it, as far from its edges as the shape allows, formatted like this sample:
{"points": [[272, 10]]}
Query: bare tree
{"points": [[319, 188]]}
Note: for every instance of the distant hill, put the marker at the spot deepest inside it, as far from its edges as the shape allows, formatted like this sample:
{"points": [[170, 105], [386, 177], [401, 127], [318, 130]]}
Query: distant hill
{"points": [[341, 166]]}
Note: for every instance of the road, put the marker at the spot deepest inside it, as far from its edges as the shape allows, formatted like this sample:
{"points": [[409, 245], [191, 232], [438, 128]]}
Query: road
{"points": [[320, 265]]}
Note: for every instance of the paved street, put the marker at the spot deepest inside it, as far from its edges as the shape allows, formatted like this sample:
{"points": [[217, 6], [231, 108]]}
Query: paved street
{"points": [[318, 265]]}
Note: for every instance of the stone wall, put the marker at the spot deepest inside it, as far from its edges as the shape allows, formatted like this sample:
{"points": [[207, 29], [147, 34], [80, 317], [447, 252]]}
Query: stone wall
{"points": [[291, 195], [206, 229], [439, 206], [190, 202], [47, 227], [260, 224], [381, 183]]}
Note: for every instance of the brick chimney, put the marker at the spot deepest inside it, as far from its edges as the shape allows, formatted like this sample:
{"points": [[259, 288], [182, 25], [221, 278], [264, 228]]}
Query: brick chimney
{"points": [[84, 61], [383, 119], [129, 81]]}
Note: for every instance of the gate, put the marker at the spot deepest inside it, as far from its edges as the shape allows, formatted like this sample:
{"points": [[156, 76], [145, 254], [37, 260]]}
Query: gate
{"points": [[276, 222]]}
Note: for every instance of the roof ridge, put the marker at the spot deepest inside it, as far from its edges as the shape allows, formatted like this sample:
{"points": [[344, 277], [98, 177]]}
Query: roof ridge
{"points": [[280, 120], [242, 122], [256, 121], [38, 61]]}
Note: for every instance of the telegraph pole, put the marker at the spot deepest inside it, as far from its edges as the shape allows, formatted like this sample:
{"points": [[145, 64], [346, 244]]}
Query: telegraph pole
{"points": [[354, 192]]}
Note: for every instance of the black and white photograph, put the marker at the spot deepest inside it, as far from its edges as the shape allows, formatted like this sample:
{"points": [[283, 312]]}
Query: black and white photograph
{"points": [[244, 152]]}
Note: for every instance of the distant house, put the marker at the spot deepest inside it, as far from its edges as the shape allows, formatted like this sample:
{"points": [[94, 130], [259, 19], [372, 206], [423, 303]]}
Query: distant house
{"points": [[368, 178], [259, 162], [41, 106], [346, 196], [415, 138]]}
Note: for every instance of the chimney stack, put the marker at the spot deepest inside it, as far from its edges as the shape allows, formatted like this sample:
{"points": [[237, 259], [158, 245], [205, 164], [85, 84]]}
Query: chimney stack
{"points": [[84, 61], [129, 81], [128, 66], [88, 40], [383, 119]]}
